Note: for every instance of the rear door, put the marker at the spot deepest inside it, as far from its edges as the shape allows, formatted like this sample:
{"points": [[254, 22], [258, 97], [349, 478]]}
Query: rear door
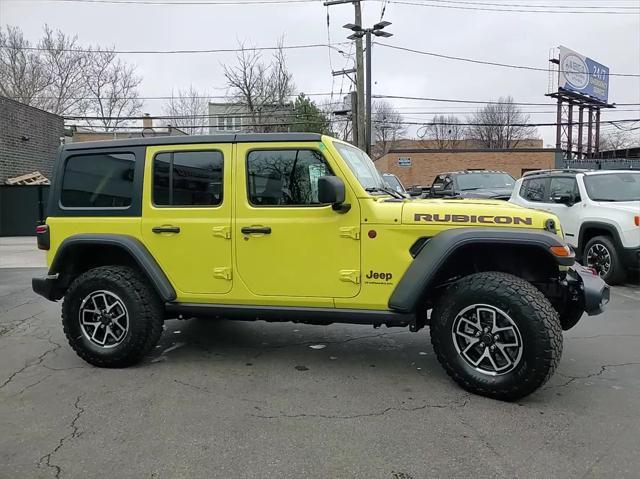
{"points": [[186, 220]]}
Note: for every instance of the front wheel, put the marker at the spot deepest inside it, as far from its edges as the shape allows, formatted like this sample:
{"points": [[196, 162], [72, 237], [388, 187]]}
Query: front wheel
{"points": [[496, 335]]}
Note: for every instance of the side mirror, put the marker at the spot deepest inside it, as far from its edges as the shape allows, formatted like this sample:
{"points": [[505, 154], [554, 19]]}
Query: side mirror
{"points": [[564, 199], [331, 191]]}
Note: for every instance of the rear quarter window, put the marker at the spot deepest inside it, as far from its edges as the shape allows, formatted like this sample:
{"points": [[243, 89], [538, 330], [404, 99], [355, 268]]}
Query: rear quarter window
{"points": [[98, 180]]}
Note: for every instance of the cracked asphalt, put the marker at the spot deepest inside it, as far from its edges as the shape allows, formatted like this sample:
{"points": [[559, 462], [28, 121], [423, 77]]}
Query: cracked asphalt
{"points": [[236, 399]]}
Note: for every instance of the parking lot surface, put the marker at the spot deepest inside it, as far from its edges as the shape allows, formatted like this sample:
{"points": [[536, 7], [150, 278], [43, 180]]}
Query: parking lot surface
{"points": [[242, 399]]}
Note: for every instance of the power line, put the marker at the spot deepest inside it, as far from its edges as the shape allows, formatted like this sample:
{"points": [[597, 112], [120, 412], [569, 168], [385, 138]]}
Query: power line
{"points": [[512, 10], [485, 62], [191, 51], [174, 97], [520, 5], [188, 3], [448, 100]]}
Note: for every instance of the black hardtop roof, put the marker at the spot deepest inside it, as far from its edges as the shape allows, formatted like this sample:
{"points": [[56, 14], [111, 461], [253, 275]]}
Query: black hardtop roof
{"points": [[195, 139]]}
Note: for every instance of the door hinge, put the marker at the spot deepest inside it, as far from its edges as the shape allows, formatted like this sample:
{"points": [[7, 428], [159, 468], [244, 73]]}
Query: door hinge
{"points": [[352, 232], [350, 275], [222, 273], [222, 231]]}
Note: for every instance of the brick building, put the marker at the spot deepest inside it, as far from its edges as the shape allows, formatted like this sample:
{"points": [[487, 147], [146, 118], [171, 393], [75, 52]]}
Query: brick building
{"points": [[418, 165], [29, 139]]}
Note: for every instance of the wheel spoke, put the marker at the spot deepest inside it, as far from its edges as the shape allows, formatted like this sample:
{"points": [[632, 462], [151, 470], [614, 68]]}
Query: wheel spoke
{"points": [[101, 312]]}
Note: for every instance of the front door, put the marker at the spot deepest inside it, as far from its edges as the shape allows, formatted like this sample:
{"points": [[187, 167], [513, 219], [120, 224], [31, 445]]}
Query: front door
{"points": [[187, 215], [288, 244]]}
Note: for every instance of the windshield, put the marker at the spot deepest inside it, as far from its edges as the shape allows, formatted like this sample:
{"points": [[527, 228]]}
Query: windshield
{"points": [[361, 166], [476, 181], [613, 186]]}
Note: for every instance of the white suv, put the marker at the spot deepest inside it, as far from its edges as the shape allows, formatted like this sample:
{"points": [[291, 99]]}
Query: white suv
{"points": [[599, 212]]}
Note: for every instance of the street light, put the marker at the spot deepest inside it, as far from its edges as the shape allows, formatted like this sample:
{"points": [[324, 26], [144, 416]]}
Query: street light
{"points": [[359, 32]]}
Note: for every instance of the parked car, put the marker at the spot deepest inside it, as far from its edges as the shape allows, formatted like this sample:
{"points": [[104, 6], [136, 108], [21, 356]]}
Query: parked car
{"points": [[301, 227], [496, 185], [599, 213], [394, 182]]}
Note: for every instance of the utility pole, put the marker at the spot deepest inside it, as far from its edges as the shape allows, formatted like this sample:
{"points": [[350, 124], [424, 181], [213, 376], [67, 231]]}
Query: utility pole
{"points": [[358, 33], [358, 117]]}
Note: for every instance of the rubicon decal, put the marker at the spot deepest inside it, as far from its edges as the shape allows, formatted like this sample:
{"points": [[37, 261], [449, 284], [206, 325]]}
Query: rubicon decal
{"points": [[485, 219]]}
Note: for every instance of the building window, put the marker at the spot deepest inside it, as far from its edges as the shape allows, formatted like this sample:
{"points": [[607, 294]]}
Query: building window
{"points": [[188, 178], [285, 177], [98, 180]]}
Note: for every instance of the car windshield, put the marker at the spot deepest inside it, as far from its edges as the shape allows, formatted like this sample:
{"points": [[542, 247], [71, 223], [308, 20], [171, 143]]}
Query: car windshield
{"points": [[613, 186], [476, 181], [361, 166], [393, 182]]}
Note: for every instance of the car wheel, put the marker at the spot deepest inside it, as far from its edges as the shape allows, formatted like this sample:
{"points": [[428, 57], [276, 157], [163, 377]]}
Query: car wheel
{"points": [[601, 255], [496, 335], [111, 316]]}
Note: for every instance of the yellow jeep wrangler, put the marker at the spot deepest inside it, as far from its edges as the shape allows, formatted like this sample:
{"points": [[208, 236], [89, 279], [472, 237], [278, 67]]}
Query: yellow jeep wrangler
{"points": [[302, 227]]}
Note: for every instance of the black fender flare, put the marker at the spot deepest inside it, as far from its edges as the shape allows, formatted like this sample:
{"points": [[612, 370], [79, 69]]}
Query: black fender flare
{"points": [[433, 255], [130, 245], [612, 230]]}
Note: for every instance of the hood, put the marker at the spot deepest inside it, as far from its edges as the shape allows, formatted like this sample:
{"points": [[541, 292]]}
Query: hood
{"points": [[629, 206], [469, 212], [487, 193]]}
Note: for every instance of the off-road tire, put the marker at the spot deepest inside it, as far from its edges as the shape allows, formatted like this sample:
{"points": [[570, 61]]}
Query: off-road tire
{"points": [[617, 272], [146, 316], [534, 316]]}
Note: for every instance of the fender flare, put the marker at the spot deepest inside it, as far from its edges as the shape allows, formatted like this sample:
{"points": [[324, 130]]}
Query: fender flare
{"points": [[130, 245], [433, 255], [611, 229]]}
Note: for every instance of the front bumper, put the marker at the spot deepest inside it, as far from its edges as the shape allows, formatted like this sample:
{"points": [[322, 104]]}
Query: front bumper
{"points": [[592, 291], [631, 258]]}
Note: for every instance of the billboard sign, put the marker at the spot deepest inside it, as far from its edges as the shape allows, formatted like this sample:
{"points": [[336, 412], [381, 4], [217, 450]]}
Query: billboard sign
{"points": [[582, 75]]}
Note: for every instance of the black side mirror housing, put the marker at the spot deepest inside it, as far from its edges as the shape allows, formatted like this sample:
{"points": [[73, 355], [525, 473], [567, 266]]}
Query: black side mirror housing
{"points": [[568, 200], [331, 191]]}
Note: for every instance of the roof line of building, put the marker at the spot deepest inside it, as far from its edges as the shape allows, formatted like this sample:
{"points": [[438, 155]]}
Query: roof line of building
{"points": [[29, 106], [470, 150]]}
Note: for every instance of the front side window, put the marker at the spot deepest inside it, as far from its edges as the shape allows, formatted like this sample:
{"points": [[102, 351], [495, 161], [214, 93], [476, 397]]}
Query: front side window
{"points": [[188, 178], [533, 189], [98, 180], [361, 166], [621, 186], [285, 177]]}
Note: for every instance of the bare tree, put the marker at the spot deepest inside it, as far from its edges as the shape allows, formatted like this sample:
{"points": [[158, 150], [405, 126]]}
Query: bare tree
{"points": [[112, 90], [444, 131], [23, 74], [387, 125], [65, 63], [188, 111], [619, 140], [263, 89], [501, 125]]}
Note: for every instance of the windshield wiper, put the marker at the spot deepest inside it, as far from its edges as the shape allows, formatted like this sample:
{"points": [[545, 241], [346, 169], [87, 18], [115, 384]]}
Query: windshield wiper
{"points": [[388, 191]]}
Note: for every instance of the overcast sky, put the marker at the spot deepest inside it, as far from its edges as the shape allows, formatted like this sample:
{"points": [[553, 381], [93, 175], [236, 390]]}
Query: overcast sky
{"points": [[507, 37]]}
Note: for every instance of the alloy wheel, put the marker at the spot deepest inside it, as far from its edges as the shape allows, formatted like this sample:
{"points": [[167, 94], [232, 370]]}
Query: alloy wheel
{"points": [[104, 319]]}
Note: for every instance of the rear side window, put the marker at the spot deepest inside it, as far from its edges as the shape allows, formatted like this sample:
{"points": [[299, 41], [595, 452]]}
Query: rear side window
{"points": [[188, 178], [285, 177], [98, 180], [534, 189], [562, 186]]}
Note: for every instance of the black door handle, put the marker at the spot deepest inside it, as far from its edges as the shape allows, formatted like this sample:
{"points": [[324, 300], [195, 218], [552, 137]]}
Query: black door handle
{"points": [[247, 230], [166, 229]]}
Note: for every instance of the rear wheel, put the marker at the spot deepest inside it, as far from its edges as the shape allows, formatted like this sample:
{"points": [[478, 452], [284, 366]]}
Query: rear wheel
{"points": [[600, 254], [496, 335], [111, 316]]}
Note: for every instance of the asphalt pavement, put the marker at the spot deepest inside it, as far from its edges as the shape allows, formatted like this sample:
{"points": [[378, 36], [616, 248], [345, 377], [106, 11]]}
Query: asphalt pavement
{"points": [[257, 400]]}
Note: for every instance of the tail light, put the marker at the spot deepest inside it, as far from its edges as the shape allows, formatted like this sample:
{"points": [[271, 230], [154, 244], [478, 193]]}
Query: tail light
{"points": [[636, 220], [43, 237]]}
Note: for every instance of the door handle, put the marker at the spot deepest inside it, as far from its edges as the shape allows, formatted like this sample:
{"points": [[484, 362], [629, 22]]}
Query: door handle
{"points": [[247, 230], [166, 229]]}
